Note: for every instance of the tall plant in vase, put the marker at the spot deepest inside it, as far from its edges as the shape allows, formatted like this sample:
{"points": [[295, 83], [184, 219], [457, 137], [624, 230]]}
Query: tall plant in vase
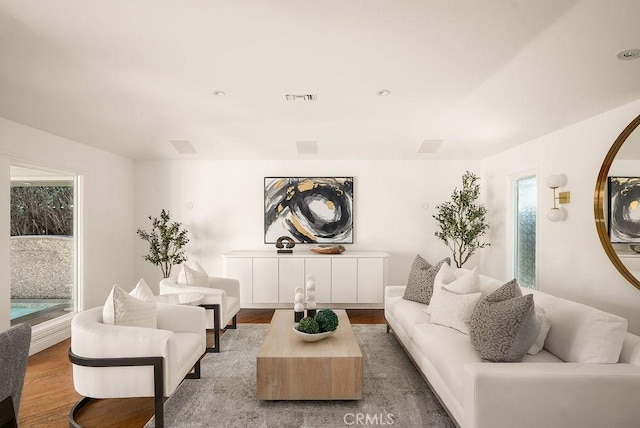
{"points": [[462, 222], [166, 240]]}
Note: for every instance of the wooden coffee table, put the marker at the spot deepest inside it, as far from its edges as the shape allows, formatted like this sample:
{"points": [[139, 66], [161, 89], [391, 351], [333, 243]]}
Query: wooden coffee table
{"points": [[291, 369]]}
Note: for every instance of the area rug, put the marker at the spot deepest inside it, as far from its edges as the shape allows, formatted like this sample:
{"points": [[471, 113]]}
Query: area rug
{"points": [[394, 391]]}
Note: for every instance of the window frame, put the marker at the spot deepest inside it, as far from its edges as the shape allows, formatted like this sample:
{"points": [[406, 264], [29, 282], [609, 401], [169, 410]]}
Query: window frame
{"points": [[53, 331]]}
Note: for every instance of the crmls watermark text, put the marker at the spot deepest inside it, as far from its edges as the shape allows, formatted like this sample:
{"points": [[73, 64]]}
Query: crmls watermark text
{"points": [[366, 419]]}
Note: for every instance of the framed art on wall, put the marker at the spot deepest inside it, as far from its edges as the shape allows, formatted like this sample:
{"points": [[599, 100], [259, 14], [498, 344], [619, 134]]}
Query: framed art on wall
{"points": [[311, 210], [624, 209]]}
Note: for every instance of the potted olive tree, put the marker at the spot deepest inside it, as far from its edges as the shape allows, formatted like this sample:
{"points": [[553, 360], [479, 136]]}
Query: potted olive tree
{"points": [[166, 240], [462, 222]]}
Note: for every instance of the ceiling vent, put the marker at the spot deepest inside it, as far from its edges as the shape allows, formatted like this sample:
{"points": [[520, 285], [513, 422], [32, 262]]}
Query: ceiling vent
{"points": [[183, 147], [301, 97], [307, 147], [430, 146]]}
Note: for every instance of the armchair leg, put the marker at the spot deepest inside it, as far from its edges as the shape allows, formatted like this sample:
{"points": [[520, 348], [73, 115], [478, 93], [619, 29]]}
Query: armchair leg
{"points": [[196, 372], [234, 323], [8, 414], [216, 327]]}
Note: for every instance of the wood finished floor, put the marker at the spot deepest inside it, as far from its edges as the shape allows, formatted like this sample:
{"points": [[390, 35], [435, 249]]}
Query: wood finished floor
{"points": [[48, 393]]}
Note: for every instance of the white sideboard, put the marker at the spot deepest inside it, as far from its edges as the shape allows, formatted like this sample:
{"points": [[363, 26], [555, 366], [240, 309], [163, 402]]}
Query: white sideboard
{"points": [[268, 279]]}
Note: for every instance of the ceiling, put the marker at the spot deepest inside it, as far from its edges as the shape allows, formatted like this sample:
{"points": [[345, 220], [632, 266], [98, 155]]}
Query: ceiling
{"points": [[129, 76]]}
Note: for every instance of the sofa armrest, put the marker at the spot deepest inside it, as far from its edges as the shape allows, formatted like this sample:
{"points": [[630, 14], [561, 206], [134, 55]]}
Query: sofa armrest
{"points": [[550, 394], [180, 318], [229, 285], [394, 291], [98, 340]]}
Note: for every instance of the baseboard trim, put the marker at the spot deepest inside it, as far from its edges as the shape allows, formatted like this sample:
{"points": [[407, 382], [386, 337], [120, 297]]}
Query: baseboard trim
{"points": [[319, 305], [50, 333]]}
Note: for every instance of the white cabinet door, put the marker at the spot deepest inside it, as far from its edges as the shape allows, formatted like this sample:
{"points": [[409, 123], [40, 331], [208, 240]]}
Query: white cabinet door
{"points": [[291, 276], [242, 270], [344, 280], [321, 269], [370, 280], [265, 280]]}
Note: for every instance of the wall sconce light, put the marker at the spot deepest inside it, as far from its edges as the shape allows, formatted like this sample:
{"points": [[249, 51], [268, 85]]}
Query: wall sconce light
{"points": [[558, 213]]}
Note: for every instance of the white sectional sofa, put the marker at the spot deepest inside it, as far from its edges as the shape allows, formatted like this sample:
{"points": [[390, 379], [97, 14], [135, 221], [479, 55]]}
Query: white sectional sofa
{"points": [[546, 390]]}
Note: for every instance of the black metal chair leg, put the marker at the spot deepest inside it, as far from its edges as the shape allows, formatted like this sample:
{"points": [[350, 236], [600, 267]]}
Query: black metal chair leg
{"points": [[234, 323], [196, 372], [216, 327]]}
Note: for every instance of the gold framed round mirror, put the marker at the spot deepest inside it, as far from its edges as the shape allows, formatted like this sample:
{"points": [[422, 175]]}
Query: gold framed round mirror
{"points": [[601, 203]]}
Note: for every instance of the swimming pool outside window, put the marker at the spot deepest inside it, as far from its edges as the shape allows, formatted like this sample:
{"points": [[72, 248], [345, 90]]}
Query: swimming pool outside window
{"points": [[42, 245]]}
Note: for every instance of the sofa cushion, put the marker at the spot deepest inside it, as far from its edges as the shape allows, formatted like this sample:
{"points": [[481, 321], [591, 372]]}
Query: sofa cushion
{"points": [[453, 310], [580, 333], [142, 291], [122, 309], [407, 312], [420, 282], [503, 326], [448, 351]]}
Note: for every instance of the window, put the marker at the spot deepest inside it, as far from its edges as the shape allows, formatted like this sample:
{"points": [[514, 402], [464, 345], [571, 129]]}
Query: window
{"points": [[525, 221], [42, 245]]}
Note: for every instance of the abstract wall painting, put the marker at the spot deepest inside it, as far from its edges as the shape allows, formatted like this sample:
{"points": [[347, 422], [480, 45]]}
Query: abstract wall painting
{"points": [[624, 209], [311, 210]]}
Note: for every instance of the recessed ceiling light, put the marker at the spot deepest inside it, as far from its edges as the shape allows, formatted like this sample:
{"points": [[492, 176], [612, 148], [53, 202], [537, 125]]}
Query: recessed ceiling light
{"points": [[383, 92], [430, 146], [183, 147], [218, 93], [628, 54]]}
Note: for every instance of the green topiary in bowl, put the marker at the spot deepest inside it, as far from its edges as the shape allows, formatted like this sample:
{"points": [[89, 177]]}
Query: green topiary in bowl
{"points": [[327, 320], [308, 325]]}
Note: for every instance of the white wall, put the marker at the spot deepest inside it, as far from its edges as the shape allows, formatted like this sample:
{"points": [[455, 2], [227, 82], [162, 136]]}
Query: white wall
{"points": [[228, 205], [571, 260], [107, 233]]}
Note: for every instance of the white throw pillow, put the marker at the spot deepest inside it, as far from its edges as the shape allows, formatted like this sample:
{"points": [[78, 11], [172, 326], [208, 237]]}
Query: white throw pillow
{"points": [[142, 291], [196, 276], [454, 310], [444, 276], [123, 309], [193, 275], [580, 333], [468, 282], [543, 324]]}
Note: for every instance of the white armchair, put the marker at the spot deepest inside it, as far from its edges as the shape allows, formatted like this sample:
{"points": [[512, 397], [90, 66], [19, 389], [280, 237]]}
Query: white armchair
{"points": [[221, 300], [115, 361]]}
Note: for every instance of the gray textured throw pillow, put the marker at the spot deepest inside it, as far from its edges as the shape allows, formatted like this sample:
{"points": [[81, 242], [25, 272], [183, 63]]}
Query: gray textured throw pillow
{"points": [[420, 283], [503, 326]]}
